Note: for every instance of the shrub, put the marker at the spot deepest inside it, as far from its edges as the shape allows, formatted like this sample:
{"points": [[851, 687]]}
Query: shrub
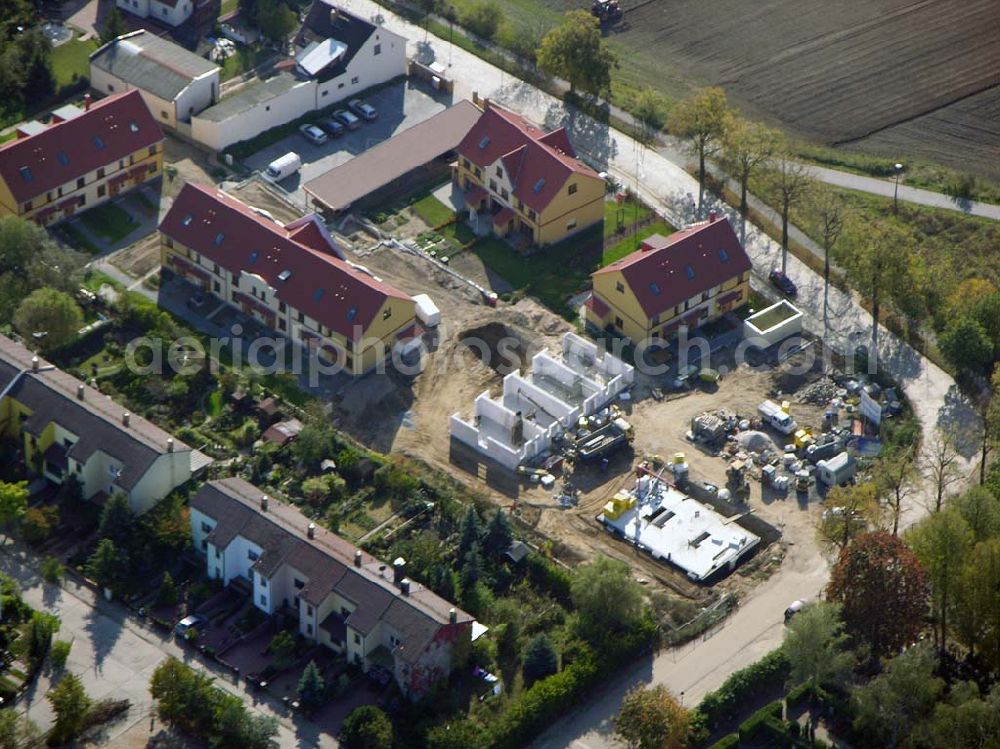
{"points": [[727, 742], [37, 524], [59, 653], [750, 727], [52, 570], [483, 19]]}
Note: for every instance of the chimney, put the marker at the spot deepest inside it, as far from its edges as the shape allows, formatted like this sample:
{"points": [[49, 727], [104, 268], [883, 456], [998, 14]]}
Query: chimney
{"points": [[404, 586], [311, 530], [452, 615], [486, 103], [125, 418], [263, 503], [34, 364], [398, 570], [357, 558], [712, 215], [79, 392], [170, 444], [86, 102]]}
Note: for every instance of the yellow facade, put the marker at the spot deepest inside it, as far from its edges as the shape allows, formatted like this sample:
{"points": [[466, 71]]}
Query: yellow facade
{"points": [[96, 188], [374, 343], [626, 317], [565, 215]]}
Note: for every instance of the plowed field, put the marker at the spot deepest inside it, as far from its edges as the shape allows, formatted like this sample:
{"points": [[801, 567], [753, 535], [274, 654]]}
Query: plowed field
{"points": [[901, 77]]}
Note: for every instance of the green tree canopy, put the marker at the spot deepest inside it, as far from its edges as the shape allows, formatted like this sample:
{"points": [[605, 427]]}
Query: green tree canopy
{"points": [[13, 501], [51, 314], [499, 536], [652, 718], [607, 597], [966, 345], [981, 510], [367, 727], [540, 659], [70, 703], [275, 20], [19, 731], [117, 521], [108, 565], [816, 647], [483, 19], [575, 51], [311, 687], [702, 122], [114, 25]]}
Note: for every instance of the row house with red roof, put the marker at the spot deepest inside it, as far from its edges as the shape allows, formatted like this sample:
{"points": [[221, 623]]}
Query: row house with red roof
{"points": [[82, 158], [687, 279], [527, 184], [292, 278]]}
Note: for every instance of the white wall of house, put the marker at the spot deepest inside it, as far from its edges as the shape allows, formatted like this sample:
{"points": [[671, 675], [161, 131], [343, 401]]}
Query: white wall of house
{"points": [[199, 95], [290, 105], [380, 59], [262, 598], [167, 472], [201, 526], [237, 560], [202, 93], [174, 16]]}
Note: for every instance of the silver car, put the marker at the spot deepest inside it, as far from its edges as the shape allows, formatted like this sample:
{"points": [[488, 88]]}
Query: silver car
{"points": [[363, 109], [313, 134], [350, 121]]}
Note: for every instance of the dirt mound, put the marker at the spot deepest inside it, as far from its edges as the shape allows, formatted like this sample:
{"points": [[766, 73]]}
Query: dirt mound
{"points": [[500, 347]]}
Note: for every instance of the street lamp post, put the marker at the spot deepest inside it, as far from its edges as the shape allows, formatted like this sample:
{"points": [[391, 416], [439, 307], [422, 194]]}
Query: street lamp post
{"points": [[898, 169]]}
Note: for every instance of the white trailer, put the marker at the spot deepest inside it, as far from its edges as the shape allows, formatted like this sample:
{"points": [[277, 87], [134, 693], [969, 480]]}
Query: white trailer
{"points": [[772, 414], [838, 470], [427, 312]]}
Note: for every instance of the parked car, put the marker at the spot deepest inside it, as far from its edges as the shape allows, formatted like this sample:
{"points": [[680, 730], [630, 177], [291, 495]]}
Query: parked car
{"points": [[196, 622], [335, 128], [313, 134], [197, 300], [795, 608], [363, 109], [350, 121], [782, 282]]}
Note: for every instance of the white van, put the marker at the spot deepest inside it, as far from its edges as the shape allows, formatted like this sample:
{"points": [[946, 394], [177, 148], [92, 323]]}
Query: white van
{"points": [[284, 166]]}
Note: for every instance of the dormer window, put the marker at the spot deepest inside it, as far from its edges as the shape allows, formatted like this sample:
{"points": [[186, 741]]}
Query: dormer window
{"points": [[284, 275], [186, 221], [26, 174], [484, 142], [689, 272], [219, 239], [539, 185], [99, 143], [723, 256], [133, 126], [352, 313]]}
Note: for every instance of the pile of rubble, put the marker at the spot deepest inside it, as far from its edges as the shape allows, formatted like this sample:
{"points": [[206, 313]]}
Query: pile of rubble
{"points": [[821, 392]]}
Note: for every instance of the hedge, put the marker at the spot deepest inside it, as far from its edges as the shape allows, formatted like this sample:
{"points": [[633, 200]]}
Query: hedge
{"points": [[750, 727], [727, 742], [726, 702], [798, 695]]}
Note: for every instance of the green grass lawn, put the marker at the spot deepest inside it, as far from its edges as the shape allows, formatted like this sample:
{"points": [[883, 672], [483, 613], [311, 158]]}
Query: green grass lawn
{"points": [[631, 244], [75, 239], [228, 6], [631, 209], [432, 211], [246, 58], [70, 61], [109, 221]]}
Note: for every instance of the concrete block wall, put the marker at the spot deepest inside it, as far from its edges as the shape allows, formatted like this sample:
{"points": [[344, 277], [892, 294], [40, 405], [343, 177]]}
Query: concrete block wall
{"points": [[515, 388]]}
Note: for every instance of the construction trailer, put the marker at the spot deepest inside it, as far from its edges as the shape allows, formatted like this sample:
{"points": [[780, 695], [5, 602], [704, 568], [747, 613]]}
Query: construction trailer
{"points": [[838, 470]]}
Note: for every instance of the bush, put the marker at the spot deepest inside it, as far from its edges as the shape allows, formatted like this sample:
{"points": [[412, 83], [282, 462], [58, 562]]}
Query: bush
{"points": [[727, 742], [726, 702], [59, 653], [38, 524], [750, 727], [52, 570], [483, 19]]}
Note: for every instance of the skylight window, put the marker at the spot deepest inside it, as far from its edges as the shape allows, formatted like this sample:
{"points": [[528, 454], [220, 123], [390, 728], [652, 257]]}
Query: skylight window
{"points": [[219, 238], [484, 142], [99, 143], [352, 313], [723, 256], [655, 288], [133, 126], [689, 272], [284, 275], [26, 174], [63, 158], [539, 185], [186, 221], [253, 256], [318, 294]]}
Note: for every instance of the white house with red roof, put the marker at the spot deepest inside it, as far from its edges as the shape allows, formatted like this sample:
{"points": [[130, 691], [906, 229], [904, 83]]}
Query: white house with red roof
{"points": [[526, 184], [687, 279], [83, 157], [292, 278]]}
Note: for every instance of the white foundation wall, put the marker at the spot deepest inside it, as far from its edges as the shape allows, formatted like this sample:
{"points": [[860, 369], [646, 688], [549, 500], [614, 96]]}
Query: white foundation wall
{"points": [[526, 397]]}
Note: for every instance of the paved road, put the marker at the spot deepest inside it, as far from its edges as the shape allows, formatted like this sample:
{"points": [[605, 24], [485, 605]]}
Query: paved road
{"points": [[115, 657], [757, 626], [885, 187]]}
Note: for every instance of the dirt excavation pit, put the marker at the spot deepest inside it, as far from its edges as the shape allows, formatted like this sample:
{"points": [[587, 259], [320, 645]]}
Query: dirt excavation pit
{"points": [[498, 346]]}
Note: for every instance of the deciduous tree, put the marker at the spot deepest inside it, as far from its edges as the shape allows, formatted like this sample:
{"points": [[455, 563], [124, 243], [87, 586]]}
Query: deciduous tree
{"points": [[848, 512], [13, 501], [607, 597], [575, 51], [883, 591], [942, 543], [746, 146], [978, 618], [969, 723], [981, 510], [652, 718], [816, 646], [830, 213], [966, 345], [483, 19], [275, 20], [702, 122], [650, 109], [940, 463], [50, 316], [366, 727], [70, 703], [19, 731], [786, 184], [117, 521], [895, 474]]}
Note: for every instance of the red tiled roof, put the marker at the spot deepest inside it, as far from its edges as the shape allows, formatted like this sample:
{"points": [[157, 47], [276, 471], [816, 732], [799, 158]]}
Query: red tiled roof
{"points": [[537, 163], [232, 234], [598, 306], [67, 150], [668, 270]]}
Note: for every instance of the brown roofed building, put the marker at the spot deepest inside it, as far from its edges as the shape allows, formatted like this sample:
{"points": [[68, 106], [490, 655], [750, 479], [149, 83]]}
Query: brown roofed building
{"points": [[83, 158], [689, 278], [528, 184], [291, 278], [343, 598], [66, 428]]}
